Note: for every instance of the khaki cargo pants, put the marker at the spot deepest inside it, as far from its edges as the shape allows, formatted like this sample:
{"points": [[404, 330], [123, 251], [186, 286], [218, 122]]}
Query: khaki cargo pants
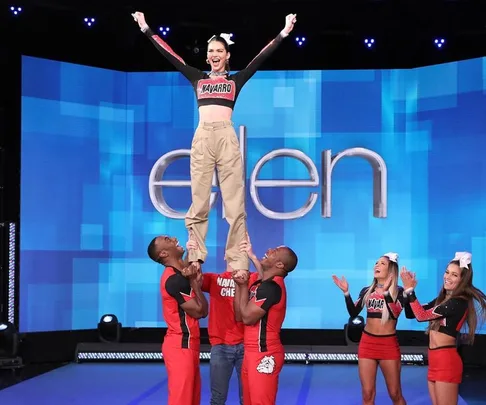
{"points": [[215, 145]]}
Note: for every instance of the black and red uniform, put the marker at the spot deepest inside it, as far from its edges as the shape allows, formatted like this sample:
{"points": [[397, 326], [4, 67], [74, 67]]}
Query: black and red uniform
{"points": [[377, 347], [222, 90], [181, 342], [445, 364], [264, 352]]}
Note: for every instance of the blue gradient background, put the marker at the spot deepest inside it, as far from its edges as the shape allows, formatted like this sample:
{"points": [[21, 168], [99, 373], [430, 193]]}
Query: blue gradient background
{"points": [[90, 138]]}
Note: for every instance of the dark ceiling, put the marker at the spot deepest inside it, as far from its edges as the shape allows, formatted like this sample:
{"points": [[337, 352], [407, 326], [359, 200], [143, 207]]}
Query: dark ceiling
{"points": [[403, 30]]}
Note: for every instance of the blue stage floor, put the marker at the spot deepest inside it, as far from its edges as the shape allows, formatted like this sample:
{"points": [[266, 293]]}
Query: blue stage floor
{"points": [[134, 384]]}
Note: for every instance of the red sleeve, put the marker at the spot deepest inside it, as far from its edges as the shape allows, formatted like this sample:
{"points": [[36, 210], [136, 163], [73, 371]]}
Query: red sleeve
{"points": [[208, 279], [179, 288], [447, 309]]}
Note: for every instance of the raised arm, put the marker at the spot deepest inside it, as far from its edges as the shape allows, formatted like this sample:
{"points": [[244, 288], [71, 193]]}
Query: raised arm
{"points": [[409, 283], [408, 308], [191, 73], [246, 246], [202, 302], [237, 300], [354, 307], [245, 74], [429, 312]]}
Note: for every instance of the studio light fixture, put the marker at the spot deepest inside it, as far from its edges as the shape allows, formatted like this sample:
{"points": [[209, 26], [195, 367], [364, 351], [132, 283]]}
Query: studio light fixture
{"points": [[353, 330], [109, 329], [8, 340]]}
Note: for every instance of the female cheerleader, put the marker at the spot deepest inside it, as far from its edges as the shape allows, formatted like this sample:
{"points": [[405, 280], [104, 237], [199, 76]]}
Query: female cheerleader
{"points": [[215, 143], [379, 344], [447, 314]]}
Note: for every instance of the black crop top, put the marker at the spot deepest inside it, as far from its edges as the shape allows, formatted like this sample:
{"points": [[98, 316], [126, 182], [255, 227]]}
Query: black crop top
{"points": [[451, 313], [223, 90], [376, 302]]}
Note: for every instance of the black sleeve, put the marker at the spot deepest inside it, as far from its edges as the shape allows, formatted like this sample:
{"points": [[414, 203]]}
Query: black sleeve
{"points": [[268, 294], [354, 308], [179, 288], [245, 74], [191, 73]]}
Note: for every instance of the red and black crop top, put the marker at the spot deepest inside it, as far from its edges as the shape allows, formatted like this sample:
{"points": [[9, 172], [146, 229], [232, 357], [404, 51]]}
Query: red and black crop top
{"points": [[223, 90], [451, 313], [376, 302]]}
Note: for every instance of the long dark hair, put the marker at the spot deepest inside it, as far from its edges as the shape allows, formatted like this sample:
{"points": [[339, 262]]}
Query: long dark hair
{"points": [[476, 302], [217, 38]]}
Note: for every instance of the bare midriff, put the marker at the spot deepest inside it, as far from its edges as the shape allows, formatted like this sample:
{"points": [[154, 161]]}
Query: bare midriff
{"points": [[214, 113], [375, 327], [439, 339]]}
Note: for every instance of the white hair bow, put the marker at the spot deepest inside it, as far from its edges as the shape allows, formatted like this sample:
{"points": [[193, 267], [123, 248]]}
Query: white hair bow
{"points": [[464, 259], [392, 256], [226, 37]]}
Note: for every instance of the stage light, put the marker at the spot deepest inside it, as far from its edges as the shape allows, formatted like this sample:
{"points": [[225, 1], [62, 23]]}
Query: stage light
{"points": [[353, 330], [9, 340], [89, 21], [357, 321], [369, 42], [439, 42], [15, 10], [164, 30], [109, 329], [300, 40]]}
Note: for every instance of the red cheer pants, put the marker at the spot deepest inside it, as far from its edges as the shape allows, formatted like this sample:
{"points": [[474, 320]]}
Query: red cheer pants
{"points": [[259, 377], [183, 375]]}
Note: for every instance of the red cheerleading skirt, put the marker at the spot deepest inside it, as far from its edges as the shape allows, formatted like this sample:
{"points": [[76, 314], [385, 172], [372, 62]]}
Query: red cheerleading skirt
{"points": [[379, 347], [445, 365]]}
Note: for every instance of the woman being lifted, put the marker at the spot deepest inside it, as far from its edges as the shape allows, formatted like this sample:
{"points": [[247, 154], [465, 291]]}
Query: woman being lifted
{"points": [[215, 143]]}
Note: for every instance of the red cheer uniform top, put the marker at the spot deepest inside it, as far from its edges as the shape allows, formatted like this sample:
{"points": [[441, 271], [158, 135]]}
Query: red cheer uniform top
{"points": [[223, 329], [182, 329], [271, 296]]}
